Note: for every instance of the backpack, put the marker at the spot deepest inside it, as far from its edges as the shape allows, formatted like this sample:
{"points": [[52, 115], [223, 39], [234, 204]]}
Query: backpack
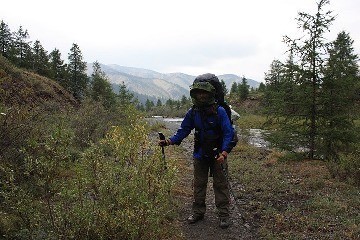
{"points": [[219, 98]]}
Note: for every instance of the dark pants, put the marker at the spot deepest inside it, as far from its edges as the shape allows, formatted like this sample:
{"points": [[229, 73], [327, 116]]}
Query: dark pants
{"points": [[220, 185]]}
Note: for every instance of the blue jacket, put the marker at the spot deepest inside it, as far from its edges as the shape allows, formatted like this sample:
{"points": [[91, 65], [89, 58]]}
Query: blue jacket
{"points": [[193, 119]]}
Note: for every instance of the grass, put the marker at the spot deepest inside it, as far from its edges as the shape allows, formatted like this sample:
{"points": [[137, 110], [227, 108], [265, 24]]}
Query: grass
{"points": [[247, 121], [294, 199]]}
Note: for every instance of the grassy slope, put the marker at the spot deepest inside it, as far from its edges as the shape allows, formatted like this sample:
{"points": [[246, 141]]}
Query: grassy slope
{"points": [[21, 87], [294, 200]]}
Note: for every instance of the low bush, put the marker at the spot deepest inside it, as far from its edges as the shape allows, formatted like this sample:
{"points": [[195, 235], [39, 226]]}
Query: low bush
{"points": [[347, 167], [84, 174]]}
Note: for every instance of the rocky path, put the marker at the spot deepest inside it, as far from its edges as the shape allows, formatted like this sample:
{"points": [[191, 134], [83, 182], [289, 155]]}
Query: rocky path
{"points": [[209, 227]]}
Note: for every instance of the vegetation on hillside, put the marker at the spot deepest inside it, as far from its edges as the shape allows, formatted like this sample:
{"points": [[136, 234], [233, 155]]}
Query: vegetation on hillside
{"points": [[77, 169]]}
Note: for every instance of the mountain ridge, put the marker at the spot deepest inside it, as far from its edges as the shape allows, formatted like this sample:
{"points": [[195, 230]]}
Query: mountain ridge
{"points": [[159, 85]]}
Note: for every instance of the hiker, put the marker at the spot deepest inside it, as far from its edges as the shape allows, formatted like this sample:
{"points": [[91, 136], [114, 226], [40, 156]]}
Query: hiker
{"points": [[212, 144]]}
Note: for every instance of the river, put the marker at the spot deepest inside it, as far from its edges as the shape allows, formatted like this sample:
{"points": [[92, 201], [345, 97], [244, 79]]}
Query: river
{"points": [[254, 137]]}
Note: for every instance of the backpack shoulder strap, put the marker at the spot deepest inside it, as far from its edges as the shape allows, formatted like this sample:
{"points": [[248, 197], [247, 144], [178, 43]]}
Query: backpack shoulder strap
{"points": [[227, 110]]}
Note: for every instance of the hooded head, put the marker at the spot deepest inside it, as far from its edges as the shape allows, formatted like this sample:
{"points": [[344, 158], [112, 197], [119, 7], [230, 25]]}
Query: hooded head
{"points": [[202, 94]]}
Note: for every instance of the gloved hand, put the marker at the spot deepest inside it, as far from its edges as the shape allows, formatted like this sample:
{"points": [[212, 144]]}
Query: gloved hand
{"points": [[165, 142], [222, 157]]}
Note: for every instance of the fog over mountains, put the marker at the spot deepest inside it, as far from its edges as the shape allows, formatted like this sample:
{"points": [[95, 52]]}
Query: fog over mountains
{"points": [[150, 84]]}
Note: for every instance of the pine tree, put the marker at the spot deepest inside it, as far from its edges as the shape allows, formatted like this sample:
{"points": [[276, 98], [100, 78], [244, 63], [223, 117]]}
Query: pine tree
{"points": [[40, 63], [149, 105], [100, 87], [272, 94], [158, 103], [170, 103], [5, 39], [58, 68], [186, 102], [311, 53], [140, 107], [338, 97], [243, 89], [125, 96], [76, 69], [290, 98], [234, 89], [261, 87], [20, 51]]}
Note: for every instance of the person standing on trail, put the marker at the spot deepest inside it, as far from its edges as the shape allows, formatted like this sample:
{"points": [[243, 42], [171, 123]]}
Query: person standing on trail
{"points": [[213, 136]]}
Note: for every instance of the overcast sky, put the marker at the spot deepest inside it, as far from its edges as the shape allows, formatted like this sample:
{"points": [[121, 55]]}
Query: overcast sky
{"points": [[190, 36]]}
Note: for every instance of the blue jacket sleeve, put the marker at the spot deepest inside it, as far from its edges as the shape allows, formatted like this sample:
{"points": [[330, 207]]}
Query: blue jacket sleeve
{"points": [[227, 130], [185, 129]]}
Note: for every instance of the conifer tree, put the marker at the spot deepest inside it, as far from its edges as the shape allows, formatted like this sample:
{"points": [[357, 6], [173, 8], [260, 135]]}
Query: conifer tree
{"points": [[185, 101], [290, 98], [243, 89], [234, 88], [76, 69], [273, 79], [100, 87], [310, 53], [149, 105], [5, 39], [261, 87], [338, 97], [58, 68], [40, 63], [125, 96], [284, 99], [158, 103], [140, 107], [170, 103], [20, 51]]}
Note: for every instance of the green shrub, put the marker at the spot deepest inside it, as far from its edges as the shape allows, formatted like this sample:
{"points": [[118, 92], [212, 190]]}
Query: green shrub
{"points": [[247, 121], [347, 167], [291, 156], [128, 187], [116, 188]]}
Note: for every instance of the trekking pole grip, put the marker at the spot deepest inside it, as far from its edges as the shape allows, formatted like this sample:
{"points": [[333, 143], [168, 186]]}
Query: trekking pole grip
{"points": [[161, 136]]}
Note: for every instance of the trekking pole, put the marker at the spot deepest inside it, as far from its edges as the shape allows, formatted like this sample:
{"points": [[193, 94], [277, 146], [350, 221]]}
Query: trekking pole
{"points": [[162, 137], [231, 190]]}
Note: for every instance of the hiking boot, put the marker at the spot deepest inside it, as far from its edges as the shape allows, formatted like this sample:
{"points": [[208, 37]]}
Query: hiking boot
{"points": [[194, 218], [224, 223]]}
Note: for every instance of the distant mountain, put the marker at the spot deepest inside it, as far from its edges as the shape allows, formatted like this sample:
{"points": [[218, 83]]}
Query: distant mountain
{"points": [[163, 86], [138, 72], [229, 79], [181, 79]]}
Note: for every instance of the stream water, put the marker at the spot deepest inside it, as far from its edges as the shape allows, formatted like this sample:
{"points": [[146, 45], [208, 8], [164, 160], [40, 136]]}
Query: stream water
{"points": [[254, 137]]}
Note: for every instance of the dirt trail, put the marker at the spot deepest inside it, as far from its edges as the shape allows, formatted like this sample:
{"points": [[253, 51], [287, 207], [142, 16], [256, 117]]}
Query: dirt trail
{"points": [[209, 227]]}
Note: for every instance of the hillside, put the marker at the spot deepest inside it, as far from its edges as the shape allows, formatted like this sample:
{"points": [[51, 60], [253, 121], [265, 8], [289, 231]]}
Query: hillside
{"points": [[158, 85], [20, 87], [46, 149]]}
